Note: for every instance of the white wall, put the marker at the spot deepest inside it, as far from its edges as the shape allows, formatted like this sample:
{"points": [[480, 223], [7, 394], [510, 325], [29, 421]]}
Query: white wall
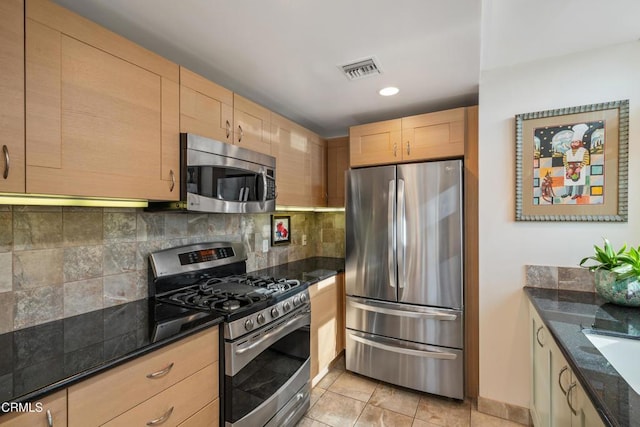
{"points": [[506, 245]]}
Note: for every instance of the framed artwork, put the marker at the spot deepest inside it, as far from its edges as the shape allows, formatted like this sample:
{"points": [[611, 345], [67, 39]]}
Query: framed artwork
{"points": [[280, 230], [572, 163]]}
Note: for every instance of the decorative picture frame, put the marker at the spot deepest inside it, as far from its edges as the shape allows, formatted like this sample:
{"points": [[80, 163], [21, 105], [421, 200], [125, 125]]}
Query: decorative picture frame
{"points": [[280, 230], [572, 163]]}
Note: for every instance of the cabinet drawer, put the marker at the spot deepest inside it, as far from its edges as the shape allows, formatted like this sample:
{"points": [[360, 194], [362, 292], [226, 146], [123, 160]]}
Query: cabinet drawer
{"points": [[207, 416], [99, 399], [175, 404], [55, 404]]}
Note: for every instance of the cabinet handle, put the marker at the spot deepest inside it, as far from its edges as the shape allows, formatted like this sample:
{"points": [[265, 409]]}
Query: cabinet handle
{"points": [[160, 373], [241, 134], [571, 387], [228, 126], [173, 180], [562, 371], [162, 419], [395, 149], [49, 418], [408, 148], [538, 336], [5, 150]]}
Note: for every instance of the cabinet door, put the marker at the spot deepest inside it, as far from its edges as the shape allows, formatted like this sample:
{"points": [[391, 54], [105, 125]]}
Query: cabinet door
{"points": [[318, 159], [102, 114], [561, 380], [54, 406], [341, 307], [540, 371], [12, 96], [290, 147], [433, 135], [324, 325], [251, 125], [206, 109], [375, 143], [584, 414], [337, 165]]}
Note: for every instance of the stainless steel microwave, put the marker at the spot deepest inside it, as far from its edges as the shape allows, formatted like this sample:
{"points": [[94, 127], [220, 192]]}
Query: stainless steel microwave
{"points": [[223, 178]]}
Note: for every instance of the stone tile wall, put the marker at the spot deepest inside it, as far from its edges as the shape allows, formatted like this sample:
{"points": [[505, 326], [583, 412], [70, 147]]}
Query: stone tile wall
{"points": [[58, 262], [566, 278]]}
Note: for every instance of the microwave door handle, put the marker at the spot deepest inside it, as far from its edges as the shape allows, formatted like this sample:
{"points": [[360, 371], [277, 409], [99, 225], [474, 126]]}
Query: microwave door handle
{"points": [[246, 193], [264, 186], [241, 196]]}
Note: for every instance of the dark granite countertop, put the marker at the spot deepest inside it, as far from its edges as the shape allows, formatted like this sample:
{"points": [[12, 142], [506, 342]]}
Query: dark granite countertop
{"points": [[308, 270], [46, 358], [566, 314]]}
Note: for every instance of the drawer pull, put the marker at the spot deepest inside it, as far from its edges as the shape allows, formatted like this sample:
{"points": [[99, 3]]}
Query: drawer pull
{"points": [[538, 336], [562, 371], [162, 419], [49, 418], [161, 373]]}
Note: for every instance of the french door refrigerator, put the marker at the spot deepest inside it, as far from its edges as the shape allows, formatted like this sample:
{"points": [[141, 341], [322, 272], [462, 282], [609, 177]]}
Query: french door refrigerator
{"points": [[404, 281]]}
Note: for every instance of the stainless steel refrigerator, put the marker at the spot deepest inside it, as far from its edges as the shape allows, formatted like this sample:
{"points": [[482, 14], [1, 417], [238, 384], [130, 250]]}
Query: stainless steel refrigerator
{"points": [[404, 281]]}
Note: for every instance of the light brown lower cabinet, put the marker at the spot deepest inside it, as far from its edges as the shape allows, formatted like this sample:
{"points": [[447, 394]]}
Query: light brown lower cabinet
{"points": [[327, 324], [182, 376], [54, 408]]}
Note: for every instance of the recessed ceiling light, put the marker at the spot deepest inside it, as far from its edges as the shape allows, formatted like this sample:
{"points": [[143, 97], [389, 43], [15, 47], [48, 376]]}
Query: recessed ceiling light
{"points": [[388, 91]]}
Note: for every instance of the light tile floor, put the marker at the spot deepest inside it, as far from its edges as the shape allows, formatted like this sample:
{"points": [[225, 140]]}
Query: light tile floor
{"points": [[345, 399]]}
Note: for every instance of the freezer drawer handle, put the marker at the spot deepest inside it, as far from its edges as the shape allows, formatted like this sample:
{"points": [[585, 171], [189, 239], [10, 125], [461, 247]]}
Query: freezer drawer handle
{"points": [[407, 351], [403, 313]]}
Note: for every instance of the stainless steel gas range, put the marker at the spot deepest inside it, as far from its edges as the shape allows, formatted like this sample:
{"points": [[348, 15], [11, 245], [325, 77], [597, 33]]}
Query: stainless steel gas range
{"points": [[266, 328]]}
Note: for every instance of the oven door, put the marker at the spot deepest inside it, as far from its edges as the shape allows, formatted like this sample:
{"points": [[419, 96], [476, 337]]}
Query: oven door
{"points": [[267, 373], [215, 183]]}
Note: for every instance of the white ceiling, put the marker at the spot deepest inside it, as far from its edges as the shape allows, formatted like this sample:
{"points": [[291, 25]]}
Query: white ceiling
{"points": [[284, 54]]}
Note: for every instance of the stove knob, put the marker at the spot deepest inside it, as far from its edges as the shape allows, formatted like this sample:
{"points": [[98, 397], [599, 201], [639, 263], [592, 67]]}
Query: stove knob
{"points": [[274, 312], [286, 306], [296, 301], [303, 298], [248, 325], [260, 319]]}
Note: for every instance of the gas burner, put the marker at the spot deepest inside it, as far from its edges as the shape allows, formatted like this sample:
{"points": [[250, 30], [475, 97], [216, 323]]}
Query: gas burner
{"points": [[231, 305]]}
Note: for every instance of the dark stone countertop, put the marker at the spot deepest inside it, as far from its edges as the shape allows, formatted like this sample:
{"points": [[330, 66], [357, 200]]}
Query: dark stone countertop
{"points": [[42, 359], [566, 314], [308, 270]]}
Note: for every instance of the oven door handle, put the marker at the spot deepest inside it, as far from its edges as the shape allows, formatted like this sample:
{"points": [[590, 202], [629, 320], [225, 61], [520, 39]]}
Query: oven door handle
{"points": [[274, 334]]}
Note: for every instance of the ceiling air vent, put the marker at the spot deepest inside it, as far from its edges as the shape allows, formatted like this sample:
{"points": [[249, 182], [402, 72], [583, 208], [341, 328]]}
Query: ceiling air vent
{"points": [[362, 68]]}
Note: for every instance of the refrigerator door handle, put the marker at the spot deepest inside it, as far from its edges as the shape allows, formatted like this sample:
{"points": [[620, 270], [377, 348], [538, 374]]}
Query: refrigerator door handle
{"points": [[426, 314], [402, 350], [391, 233], [402, 234]]}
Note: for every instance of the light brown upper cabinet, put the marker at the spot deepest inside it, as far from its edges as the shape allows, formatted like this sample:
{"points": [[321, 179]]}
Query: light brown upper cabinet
{"points": [[12, 96], [102, 113], [318, 159], [422, 137], [337, 164], [251, 125], [375, 143], [291, 148], [206, 108]]}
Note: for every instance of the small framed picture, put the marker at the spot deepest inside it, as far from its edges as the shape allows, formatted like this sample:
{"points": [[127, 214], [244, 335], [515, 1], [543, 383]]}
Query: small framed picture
{"points": [[280, 230]]}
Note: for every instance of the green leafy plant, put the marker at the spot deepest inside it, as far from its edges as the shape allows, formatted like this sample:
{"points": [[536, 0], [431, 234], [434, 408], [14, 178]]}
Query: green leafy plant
{"points": [[622, 262], [606, 258]]}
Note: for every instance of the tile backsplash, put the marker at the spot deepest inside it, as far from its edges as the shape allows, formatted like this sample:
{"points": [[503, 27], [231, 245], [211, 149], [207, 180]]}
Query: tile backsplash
{"points": [[57, 262], [566, 278]]}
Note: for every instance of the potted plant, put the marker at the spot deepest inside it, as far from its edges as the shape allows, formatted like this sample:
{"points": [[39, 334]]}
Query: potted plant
{"points": [[617, 273]]}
